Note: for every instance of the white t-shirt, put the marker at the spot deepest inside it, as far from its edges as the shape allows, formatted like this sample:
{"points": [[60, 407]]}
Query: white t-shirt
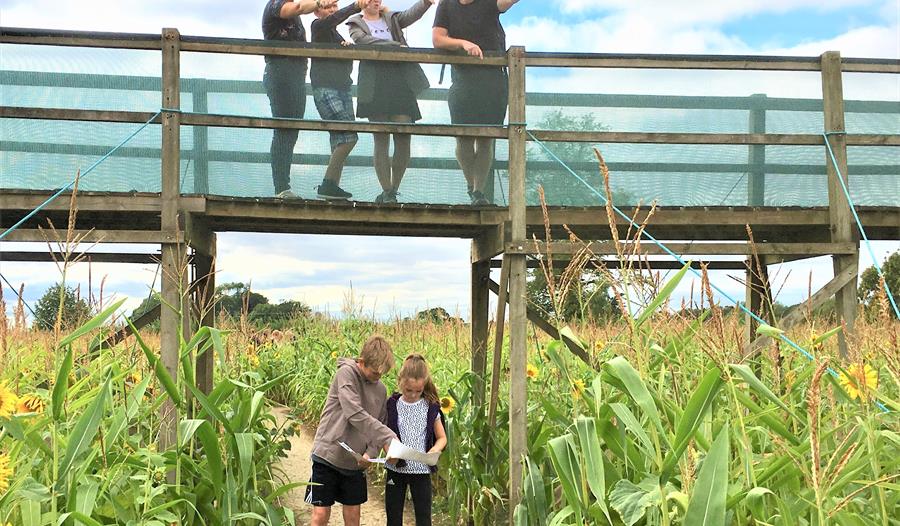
{"points": [[379, 29], [412, 419]]}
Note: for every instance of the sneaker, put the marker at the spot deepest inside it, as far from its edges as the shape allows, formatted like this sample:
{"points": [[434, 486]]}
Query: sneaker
{"points": [[329, 190], [286, 194], [478, 199], [387, 197]]}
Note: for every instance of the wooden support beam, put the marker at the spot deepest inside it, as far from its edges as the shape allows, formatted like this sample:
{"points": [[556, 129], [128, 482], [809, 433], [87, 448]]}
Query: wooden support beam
{"points": [[489, 243], [502, 292], [91, 257], [758, 296], [559, 264], [550, 330], [480, 294], [173, 273], [96, 236], [797, 313], [139, 323], [518, 337], [202, 240], [608, 248], [780, 139], [840, 214]]}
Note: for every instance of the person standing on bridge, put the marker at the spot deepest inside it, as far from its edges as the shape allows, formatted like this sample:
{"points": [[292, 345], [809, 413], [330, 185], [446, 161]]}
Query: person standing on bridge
{"points": [[285, 81], [478, 94], [387, 90]]}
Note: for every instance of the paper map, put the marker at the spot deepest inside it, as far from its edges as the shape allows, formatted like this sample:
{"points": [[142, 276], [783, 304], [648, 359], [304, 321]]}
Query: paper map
{"points": [[399, 450]]}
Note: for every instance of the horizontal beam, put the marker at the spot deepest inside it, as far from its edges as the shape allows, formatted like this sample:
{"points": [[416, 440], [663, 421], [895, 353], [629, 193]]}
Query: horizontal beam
{"points": [[784, 139], [94, 236], [95, 202], [708, 249], [93, 257], [614, 264]]}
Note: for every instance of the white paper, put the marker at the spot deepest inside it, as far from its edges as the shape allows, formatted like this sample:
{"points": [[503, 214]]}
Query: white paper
{"points": [[400, 450]]}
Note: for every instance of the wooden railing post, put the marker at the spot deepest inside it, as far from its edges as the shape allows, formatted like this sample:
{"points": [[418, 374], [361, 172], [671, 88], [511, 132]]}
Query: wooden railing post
{"points": [[756, 160], [200, 104], [518, 352], [481, 273], [172, 254], [841, 217]]}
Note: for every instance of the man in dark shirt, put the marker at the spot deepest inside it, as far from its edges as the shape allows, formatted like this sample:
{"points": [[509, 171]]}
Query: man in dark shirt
{"points": [[478, 94], [285, 81], [331, 84]]}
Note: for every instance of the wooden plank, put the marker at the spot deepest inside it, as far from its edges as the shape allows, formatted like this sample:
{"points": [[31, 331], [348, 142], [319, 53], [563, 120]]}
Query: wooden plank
{"points": [[518, 348], [63, 114], [608, 248], [560, 263], [479, 296], [758, 295], [139, 323], [782, 139], [95, 236], [204, 288], [92, 257], [662, 61], [840, 213], [489, 243]]}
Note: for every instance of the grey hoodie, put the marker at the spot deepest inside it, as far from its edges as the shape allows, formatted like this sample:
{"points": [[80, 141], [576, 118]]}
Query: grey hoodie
{"points": [[355, 414]]}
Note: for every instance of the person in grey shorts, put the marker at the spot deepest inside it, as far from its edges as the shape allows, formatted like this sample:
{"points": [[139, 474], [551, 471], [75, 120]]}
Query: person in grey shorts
{"points": [[331, 82]]}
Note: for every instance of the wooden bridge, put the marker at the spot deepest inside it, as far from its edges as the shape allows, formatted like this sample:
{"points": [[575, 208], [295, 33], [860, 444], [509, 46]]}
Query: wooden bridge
{"points": [[183, 223]]}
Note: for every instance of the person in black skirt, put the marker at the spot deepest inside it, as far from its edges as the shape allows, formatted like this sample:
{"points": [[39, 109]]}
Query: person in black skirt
{"points": [[387, 90]]}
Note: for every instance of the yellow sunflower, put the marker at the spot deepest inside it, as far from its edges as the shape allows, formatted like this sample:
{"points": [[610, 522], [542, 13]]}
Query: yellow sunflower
{"points": [[5, 474], [134, 378], [531, 371], [8, 401], [334, 354], [447, 404], [30, 404], [253, 360], [577, 388], [859, 380]]}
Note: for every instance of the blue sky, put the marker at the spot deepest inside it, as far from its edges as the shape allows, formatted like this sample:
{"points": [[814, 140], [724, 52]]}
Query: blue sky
{"points": [[397, 276]]}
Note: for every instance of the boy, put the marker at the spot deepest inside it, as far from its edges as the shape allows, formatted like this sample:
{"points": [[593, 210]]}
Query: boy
{"points": [[330, 79], [354, 413]]}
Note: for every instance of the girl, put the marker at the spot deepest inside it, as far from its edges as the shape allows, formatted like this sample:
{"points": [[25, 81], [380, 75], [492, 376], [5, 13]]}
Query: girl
{"points": [[387, 90], [414, 414]]}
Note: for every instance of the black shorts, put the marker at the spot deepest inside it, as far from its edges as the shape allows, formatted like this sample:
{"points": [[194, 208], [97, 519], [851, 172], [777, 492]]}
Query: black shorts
{"points": [[478, 95], [334, 486]]}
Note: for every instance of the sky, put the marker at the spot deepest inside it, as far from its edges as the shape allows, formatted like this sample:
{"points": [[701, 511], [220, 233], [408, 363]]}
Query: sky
{"points": [[388, 277]]}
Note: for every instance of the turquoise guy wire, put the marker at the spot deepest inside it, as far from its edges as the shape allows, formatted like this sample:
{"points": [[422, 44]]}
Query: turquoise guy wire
{"points": [[70, 185], [862, 231], [678, 258]]}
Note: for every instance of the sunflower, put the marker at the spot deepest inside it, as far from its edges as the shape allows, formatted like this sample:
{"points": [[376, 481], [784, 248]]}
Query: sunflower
{"points": [[253, 360], [859, 380], [334, 354], [577, 388], [5, 473], [447, 404], [134, 378], [8, 401], [531, 371], [30, 404]]}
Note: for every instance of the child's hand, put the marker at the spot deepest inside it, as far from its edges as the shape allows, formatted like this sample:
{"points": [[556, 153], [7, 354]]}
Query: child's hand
{"points": [[364, 463], [391, 461]]}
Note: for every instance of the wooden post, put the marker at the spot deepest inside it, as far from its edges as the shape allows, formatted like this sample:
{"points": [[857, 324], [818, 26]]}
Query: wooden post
{"points": [[756, 173], [203, 288], [838, 208], [481, 273], [172, 254], [500, 322], [518, 337], [759, 297], [200, 95]]}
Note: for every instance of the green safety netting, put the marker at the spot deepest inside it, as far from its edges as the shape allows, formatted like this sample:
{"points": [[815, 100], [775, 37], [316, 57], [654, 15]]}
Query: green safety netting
{"points": [[45, 154]]}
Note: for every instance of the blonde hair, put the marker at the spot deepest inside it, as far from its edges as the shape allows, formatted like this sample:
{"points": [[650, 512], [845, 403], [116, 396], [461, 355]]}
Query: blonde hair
{"points": [[415, 368], [376, 354]]}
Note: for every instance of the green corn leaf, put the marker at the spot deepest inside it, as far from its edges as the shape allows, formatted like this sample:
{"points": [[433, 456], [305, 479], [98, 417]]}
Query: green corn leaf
{"points": [[767, 330], [186, 430], [534, 496], [61, 387], [159, 369], [593, 460], [30, 513], [210, 408], [84, 431], [663, 296], [210, 443], [86, 499], [749, 376], [619, 368], [284, 488], [626, 417], [246, 445], [690, 420], [631, 500], [566, 466], [92, 324], [707, 506]]}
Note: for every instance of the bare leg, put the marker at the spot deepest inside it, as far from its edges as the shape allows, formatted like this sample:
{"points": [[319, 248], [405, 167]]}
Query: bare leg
{"points": [[481, 166], [465, 154], [382, 160], [400, 160], [322, 514], [351, 515], [336, 163]]}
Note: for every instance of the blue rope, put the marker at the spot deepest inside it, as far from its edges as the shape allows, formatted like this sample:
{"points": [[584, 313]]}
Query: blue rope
{"points": [[862, 231], [678, 258], [70, 185]]}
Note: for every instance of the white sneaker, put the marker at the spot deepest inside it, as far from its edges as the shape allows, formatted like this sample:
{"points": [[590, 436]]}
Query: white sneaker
{"points": [[286, 194]]}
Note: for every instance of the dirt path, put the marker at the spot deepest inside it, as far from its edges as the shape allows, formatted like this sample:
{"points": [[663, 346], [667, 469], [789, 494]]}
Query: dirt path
{"points": [[297, 466]]}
